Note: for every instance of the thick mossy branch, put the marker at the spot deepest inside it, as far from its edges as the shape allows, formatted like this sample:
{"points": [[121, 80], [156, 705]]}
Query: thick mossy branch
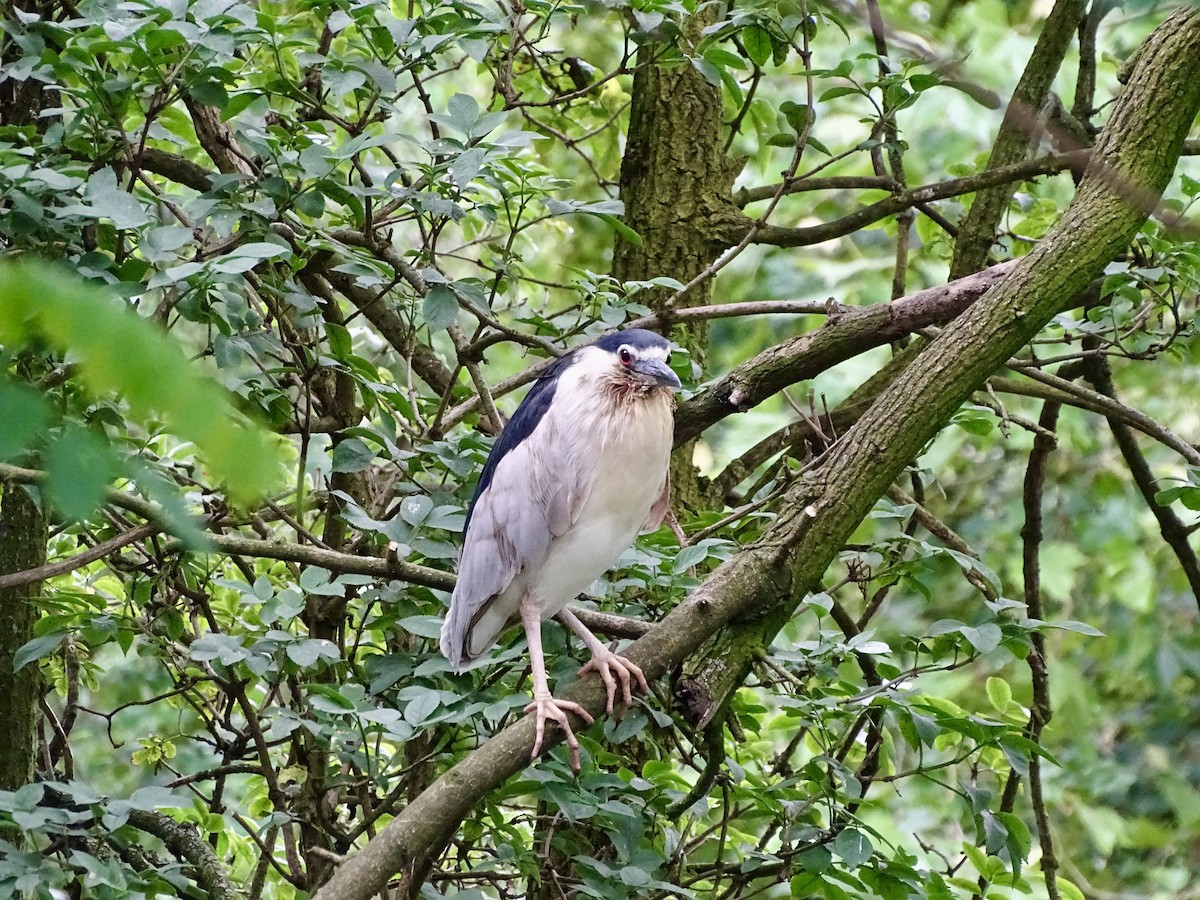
{"points": [[1134, 158], [185, 842], [757, 590]]}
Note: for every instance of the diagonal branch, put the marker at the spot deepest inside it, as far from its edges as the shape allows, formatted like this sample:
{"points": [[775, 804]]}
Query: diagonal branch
{"points": [[79, 560], [1174, 532], [849, 332], [753, 594], [1017, 132]]}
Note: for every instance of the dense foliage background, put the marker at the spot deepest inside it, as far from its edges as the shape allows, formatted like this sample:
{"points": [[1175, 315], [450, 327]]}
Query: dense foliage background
{"points": [[275, 274]]}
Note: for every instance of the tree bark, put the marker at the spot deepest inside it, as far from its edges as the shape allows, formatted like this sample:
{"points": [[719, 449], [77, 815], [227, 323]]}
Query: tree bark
{"points": [[676, 181], [753, 594], [23, 537], [677, 187], [1018, 132]]}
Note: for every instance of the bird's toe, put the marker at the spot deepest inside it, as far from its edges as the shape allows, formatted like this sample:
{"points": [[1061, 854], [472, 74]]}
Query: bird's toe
{"points": [[609, 664], [545, 708]]}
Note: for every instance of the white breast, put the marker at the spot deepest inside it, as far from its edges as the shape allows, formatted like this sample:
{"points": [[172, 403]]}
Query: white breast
{"points": [[627, 448], [610, 456]]}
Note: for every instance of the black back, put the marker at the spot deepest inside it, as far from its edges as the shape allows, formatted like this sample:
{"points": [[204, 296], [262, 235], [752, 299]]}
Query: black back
{"points": [[521, 425]]}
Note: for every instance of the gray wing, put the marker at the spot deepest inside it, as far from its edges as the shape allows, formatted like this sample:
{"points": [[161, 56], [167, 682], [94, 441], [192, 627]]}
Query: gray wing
{"points": [[533, 497], [662, 506]]}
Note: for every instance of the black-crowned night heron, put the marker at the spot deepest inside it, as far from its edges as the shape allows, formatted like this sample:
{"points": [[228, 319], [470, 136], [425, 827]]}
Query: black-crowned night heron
{"points": [[580, 469]]}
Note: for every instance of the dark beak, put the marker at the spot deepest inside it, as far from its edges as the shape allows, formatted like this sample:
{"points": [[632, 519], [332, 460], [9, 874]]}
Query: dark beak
{"points": [[658, 372]]}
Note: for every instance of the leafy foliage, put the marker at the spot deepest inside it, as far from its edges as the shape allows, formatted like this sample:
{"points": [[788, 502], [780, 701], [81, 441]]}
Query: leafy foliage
{"points": [[371, 224]]}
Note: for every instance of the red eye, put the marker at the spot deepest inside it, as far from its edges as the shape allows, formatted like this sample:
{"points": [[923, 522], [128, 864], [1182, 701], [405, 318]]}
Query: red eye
{"points": [[625, 355]]}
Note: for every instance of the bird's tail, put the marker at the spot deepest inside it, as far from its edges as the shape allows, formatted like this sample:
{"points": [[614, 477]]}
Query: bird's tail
{"points": [[453, 641]]}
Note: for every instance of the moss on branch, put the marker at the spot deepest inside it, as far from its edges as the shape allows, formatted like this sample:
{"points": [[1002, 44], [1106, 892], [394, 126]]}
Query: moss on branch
{"points": [[756, 591]]}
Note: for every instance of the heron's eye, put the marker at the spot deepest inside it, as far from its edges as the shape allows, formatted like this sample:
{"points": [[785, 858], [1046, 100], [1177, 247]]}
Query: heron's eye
{"points": [[625, 356]]}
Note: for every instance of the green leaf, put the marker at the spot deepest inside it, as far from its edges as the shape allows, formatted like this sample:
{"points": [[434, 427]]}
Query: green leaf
{"points": [[839, 91], [167, 495], [24, 414], [330, 692], [118, 352], [423, 626], [854, 847], [36, 649], [1020, 841], [985, 638], [111, 202], [816, 859], [79, 467], [797, 115], [999, 693], [622, 229], [306, 653], [710, 72], [757, 42], [352, 455], [227, 648], [723, 59], [420, 708], [633, 876], [1072, 625], [415, 508], [439, 308], [1187, 495]]}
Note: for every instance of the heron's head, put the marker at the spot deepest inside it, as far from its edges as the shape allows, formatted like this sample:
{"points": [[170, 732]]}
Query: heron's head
{"points": [[634, 359]]}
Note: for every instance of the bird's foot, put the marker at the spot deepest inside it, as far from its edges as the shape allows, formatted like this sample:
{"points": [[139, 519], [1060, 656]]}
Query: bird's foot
{"points": [[548, 707], [608, 665]]}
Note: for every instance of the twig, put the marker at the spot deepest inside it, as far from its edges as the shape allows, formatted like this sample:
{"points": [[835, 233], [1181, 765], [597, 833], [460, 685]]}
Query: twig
{"points": [[1040, 714], [79, 560], [1111, 407], [1174, 532]]}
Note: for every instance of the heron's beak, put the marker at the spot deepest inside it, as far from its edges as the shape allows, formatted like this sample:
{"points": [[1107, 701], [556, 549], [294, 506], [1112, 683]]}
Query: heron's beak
{"points": [[657, 371]]}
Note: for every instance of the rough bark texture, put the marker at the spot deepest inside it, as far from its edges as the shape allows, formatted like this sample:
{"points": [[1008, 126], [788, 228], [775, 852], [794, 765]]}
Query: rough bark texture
{"points": [[755, 592], [185, 842], [1017, 133], [1134, 158], [676, 181], [677, 187], [23, 539]]}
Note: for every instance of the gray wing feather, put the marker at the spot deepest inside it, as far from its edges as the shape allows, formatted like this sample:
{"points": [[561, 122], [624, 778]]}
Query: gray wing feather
{"points": [[534, 496], [662, 506]]}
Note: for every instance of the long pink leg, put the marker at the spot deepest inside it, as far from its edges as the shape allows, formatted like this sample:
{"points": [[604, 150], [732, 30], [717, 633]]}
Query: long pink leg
{"points": [[607, 663], [544, 704]]}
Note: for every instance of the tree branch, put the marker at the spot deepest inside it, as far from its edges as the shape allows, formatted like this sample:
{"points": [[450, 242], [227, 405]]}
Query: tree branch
{"points": [[1017, 132], [1040, 714], [852, 331], [781, 236], [769, 578], [240, 546], [79, 560], [185, 842], [1173, 530]]}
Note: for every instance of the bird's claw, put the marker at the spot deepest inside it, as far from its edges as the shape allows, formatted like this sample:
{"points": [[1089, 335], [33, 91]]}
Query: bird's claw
{"points": [[606, 663], [552, 708]]}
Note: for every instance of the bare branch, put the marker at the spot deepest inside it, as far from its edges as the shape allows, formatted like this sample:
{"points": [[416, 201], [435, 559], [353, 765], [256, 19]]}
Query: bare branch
{"points": [[846, 334], [79, 560]]}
